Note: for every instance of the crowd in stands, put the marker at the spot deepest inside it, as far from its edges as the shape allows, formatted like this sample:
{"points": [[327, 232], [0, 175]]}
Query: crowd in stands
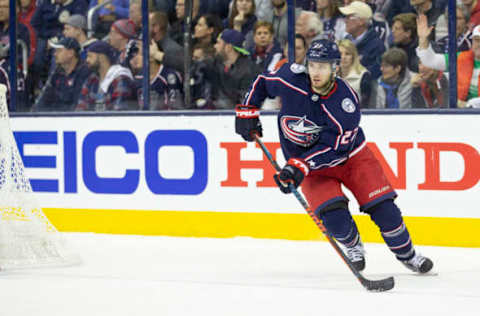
{"points": [[394, 53]]}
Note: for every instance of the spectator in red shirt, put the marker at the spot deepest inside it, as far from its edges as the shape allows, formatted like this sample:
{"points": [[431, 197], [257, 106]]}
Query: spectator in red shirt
{"points": [[25, 14]]}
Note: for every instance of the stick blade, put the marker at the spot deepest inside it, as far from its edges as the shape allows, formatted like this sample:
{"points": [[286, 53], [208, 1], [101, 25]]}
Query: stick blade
{"points": [[378, 285]]}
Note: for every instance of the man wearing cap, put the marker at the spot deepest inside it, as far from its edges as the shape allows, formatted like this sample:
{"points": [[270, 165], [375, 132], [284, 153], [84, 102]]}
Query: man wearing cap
{"points": [[76, 27], [111, 88], [62, 90], [121, 32], [232, 70], [47, 22], [358, 17]]}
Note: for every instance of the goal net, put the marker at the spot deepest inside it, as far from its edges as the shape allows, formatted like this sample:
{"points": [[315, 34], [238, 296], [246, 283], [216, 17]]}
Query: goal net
{"points": [[27, 238]]}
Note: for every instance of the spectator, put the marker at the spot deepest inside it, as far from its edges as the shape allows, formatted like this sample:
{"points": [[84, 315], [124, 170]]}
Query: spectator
{"points": [[201, 88], [300, 52], [76, 27], [63, 88], [332, 19], [165, 83], [47, 22], [111, 86], [104, 18], [430, 88], [404, 31], [395, 7], [432, 9], [352, 71], [262, 9], [463, 30], [22, 31], [473, 7], [358, 16], [278, 18], [135, 13], [379, 24], [393, 89], [242, 19], [309, 26], [202, 52], [301, 47], [121, 32], [468, 62], [22, 103], [232, 70], [178, 27], [207, 29], [25, 13], [164, 49], [266, 53]]}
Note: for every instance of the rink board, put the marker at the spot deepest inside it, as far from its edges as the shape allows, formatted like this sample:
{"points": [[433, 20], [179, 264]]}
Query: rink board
{"points": [[190, 175]]}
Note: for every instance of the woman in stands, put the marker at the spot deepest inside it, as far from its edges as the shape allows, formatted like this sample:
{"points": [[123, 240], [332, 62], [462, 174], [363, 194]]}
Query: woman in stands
{"points": [[353, 72], [242, 18], [207, 29]]}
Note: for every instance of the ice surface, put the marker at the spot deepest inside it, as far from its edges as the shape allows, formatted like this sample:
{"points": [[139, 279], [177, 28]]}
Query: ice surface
{"points": [[137, 275]]}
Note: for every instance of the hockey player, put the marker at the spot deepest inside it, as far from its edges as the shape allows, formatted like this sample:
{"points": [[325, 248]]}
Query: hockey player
{"points": [[324, 147]]}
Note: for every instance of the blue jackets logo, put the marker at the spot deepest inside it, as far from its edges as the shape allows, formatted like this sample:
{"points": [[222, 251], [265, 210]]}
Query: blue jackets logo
{"points": [[300, 130]]}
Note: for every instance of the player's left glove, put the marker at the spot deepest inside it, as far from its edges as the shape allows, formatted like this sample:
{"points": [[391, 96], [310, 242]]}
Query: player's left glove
{"points": [[293, 173], [247, 122]]}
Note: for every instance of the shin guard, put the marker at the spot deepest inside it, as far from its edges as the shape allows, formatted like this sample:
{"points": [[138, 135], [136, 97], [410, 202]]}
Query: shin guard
{"points": [[340, 224], [388, 218]]}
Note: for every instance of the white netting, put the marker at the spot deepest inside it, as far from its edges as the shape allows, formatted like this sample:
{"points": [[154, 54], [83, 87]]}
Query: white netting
{"points": [[27, 238]]}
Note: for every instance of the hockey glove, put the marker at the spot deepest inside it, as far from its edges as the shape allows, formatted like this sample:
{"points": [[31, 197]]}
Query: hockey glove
{"points": [[247, 122], [293, 173]]}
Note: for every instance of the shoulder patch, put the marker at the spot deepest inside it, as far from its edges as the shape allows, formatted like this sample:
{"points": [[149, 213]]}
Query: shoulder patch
{"points": [[171, 79], [297, 68], [63, 16], [348, 105]]}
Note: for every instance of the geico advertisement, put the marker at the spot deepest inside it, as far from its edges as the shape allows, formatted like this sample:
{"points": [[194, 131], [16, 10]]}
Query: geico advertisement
{"points": [[198, 163]]}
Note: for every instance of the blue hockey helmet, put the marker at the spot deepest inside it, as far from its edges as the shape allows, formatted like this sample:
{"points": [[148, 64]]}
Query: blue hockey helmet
{"points": [[323, 50]]}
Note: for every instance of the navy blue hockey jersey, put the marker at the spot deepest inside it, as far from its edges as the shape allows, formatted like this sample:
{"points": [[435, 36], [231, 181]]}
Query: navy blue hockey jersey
{"points": [[321, 130]]}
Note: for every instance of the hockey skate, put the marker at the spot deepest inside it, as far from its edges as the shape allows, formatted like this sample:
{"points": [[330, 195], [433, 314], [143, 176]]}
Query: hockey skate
{"points": [[418, 263], [356, 254]]}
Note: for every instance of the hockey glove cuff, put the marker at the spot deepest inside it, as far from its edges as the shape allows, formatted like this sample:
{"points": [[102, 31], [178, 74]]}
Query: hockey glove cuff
{"points": [[293, 173], [247, 122]]}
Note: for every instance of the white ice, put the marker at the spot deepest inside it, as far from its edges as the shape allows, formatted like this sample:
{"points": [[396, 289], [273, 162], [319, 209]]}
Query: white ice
{"points": [[137, 275]]}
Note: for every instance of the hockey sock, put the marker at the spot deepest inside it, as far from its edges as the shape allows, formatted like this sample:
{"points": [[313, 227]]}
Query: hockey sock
{"points": [[340, 224], [389, 219]]}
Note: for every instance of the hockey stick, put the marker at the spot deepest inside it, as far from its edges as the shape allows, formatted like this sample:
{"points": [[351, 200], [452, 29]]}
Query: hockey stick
{"points": [[370, 285]]}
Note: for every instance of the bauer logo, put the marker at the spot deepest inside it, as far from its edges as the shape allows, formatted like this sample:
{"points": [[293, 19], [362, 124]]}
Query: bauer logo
{"points": [[117, 162]]}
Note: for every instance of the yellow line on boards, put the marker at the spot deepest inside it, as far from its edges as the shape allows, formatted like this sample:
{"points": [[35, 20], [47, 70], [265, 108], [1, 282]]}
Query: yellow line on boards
{"points": [[435, 231]]}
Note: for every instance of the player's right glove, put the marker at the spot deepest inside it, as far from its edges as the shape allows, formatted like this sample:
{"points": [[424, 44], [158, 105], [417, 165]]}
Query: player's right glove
{"points": [[293, 173], [247, 122]]}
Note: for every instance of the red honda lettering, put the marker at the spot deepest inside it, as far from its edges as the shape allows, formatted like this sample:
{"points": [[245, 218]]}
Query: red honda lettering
{"points": [[235, 165], [471, 160]]}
